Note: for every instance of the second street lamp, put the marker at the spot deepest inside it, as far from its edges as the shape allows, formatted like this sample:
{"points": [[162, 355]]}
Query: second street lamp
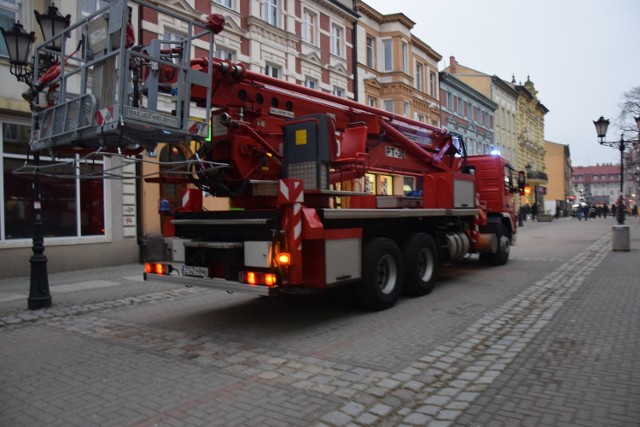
{"points": [[602, 125]]}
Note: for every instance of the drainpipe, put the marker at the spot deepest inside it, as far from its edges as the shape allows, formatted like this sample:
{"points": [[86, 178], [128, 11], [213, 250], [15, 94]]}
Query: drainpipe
{"points": [[354, 54]]}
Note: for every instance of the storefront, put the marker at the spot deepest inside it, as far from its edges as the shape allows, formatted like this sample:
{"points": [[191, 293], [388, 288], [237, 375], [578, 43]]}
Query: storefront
{"points": [[88, 221]]}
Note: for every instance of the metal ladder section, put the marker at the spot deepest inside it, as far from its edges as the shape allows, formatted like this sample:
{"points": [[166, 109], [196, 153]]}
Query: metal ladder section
{"points": [[116, 95]]}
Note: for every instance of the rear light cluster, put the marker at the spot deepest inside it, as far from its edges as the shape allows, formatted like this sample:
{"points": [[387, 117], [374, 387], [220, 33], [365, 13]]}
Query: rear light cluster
{"points": [[259, 278], [249, 277], [157, 268]]}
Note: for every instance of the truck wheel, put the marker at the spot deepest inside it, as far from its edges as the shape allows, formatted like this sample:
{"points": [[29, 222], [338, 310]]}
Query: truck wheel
{"points": [[501, 256], [420, 260], [381, 274]]}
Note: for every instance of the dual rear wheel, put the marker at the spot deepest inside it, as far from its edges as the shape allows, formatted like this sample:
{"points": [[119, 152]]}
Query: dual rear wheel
{"points": [[388, 270]]}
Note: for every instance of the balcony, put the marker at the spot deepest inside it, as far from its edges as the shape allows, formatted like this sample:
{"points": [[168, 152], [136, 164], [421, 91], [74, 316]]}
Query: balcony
{"points": [[537, 176]]}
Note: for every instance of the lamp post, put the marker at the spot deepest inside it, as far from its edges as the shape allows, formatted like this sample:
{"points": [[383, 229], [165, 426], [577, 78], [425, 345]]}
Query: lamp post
{"points": [[19, 43], [601, 129]]}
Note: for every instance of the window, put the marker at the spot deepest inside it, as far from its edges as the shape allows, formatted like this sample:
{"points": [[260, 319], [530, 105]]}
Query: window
{"points": [[338, 92], [225, 3], [432, 84], [420, 77], [270, 12], [71, 207], [309, 24], [272, 70], [449, 101], [420, 118], [87, 7], [405, 57], [387, 54], [311, 83], [387, 105], [459, 108], [337, 40], [371, 52], [7, 19], [372, 102], [222, 53], [405, 108]]}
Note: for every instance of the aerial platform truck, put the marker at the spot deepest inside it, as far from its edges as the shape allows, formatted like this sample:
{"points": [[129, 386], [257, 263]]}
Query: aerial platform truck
{"points": [[323, 191]]}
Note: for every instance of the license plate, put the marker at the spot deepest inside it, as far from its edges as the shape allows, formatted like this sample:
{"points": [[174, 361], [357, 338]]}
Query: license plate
{"points": [[188, 270]]}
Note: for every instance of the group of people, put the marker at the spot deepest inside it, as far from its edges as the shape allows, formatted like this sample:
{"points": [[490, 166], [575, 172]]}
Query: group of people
{"points": [[602, 210]]}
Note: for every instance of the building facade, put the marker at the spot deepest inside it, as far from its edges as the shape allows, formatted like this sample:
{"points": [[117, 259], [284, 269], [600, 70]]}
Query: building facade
{"points": [[560, 196], [86, 222], [396, 71], [469, 113], [530, 135], [503, 95], [597, 184]]}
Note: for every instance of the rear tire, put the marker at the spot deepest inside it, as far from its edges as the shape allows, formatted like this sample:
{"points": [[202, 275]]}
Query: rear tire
{"points": [[421, 261], [381, 274], [501, 256]]}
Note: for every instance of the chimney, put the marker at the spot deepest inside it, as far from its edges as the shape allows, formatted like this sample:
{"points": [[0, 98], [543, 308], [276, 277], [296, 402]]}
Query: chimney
{"points": [[452, 64]]}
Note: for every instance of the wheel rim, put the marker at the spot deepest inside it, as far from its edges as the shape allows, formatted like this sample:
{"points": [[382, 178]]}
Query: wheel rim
{"points": [[505, 245], [387, 274], [425, 265]]}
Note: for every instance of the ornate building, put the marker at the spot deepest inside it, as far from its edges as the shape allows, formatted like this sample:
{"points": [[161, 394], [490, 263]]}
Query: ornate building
{"points": [[396, 71], [530, 135]]}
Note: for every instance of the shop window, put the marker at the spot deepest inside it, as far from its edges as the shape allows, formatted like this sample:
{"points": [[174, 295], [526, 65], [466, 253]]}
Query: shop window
{"points": [[72, 202]]}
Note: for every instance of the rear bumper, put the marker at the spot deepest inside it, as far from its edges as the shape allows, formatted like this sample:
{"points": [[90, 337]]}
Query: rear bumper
{"points": [[219, 284]]}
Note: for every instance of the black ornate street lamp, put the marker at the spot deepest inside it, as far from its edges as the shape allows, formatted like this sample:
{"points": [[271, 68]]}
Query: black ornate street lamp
{"points": [[602, 125], [51, 24], [19, 43], [19, 46]]}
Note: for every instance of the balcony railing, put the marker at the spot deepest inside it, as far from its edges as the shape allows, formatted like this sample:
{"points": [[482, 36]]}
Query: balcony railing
{"points": [[537, 175]]}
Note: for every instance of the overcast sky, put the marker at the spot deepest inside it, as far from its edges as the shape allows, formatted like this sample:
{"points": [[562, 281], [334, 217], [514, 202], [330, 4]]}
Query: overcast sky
{"points": [[582, 55]]}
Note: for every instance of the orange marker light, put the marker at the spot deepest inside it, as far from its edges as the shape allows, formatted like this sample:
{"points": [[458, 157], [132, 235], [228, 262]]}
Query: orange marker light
{"points": [[270, 279], [251, 278], [284, 258], [157, 268]]}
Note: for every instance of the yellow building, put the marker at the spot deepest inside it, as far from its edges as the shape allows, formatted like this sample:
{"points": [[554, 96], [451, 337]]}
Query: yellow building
{"points": [[530, 114], [558, 166]]}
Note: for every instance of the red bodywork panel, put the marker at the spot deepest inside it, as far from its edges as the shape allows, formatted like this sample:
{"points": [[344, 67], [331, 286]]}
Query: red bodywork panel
{"points": [[494, 192]]}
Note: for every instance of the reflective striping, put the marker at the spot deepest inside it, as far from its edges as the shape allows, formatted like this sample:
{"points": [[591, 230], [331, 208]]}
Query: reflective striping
{"points": [[297, 227], [284, 190]]}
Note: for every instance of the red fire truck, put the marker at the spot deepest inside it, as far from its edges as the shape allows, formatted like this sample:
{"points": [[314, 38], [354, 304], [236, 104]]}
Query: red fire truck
{"points": [[323, 191]]}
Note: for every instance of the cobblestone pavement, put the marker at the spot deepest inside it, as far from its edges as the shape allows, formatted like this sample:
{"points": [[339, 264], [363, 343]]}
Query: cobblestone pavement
{"points": [[561, 352]]}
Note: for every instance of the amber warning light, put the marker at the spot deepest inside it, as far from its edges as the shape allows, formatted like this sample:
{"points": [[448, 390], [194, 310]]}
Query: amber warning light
{"points": [[284, 258]]}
